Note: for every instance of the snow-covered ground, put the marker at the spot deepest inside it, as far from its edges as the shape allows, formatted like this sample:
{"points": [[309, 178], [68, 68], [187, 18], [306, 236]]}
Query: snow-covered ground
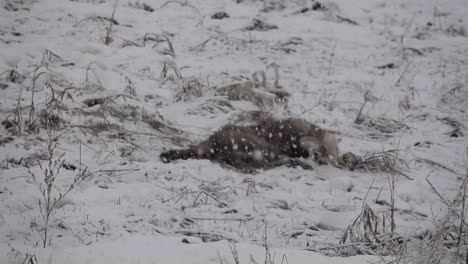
{"points": [[115, 113]]}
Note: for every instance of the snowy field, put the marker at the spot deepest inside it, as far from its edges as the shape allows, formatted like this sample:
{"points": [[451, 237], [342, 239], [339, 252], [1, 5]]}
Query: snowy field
{"points": [[118, 89]]}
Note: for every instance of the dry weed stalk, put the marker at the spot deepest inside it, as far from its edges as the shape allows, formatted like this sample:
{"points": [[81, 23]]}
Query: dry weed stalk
{"points": [[269, 258], [330, 62], [169, 62], [391, 185], [32, 109], [90, 85], [461, 230], [130, 88], [359, 119], [48, 56], [200, 47], [448, 240], [170, 65], [18, 120], [56, 102], [185, 4], [402, 37], [100, 18], [49, 200], [365, 120], [108, 38], [234, 252]]}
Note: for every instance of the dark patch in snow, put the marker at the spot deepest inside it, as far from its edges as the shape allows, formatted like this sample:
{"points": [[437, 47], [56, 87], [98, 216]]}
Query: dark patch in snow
{"points": [[220, 15]]}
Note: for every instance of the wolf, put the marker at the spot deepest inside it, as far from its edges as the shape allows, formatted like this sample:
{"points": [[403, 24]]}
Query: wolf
{"points": [[298, 138], [269, 143]]}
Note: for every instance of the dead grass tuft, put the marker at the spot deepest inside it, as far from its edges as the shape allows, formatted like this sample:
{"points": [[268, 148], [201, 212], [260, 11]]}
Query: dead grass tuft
{"points": [[386, 161], [49, 120], [257, 90], [260, 25], [385, 126], [157, 122], [447, 243], [98, 127], [212, 106], [456, 96], [370, 234], [130, 87], [454, 31], [188, 89]]}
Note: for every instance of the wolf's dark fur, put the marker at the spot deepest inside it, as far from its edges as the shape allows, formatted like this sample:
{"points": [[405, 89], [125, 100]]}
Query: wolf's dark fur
{"points": [[268, 144]]}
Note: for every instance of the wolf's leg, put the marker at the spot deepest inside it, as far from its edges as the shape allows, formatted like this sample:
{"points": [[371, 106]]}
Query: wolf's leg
{"points": [[292, 163], [174, 154], [296, 162]]}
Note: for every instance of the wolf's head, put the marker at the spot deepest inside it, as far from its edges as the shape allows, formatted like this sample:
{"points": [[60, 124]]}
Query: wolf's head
{"points": [[321, 146]]}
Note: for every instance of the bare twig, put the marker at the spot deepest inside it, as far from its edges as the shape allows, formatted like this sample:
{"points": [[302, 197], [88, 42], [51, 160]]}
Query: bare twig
{"points": [[358, 119], [463, 202], [108, 38], [113, 21], [330, 63], [391, 184], [437, 193], [402, 37]]}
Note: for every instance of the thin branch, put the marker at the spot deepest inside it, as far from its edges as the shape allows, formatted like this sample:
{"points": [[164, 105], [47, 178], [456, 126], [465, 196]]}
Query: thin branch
{"points": [[108, 38]]}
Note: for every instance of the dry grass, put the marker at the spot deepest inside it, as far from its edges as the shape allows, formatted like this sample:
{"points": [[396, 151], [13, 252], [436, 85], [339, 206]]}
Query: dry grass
{"points": [[99, 127], [211, 107], [369, 234], [50, 120], [158, 123], [260, 25], [188, 89], [206, 237], [130, 87], [447, 243], [384, 126], [257, 90], [386, 161]]}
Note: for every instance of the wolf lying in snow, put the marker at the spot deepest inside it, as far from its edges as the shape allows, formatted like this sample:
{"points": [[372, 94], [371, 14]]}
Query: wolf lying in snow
{"points": [[268, 144]]}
